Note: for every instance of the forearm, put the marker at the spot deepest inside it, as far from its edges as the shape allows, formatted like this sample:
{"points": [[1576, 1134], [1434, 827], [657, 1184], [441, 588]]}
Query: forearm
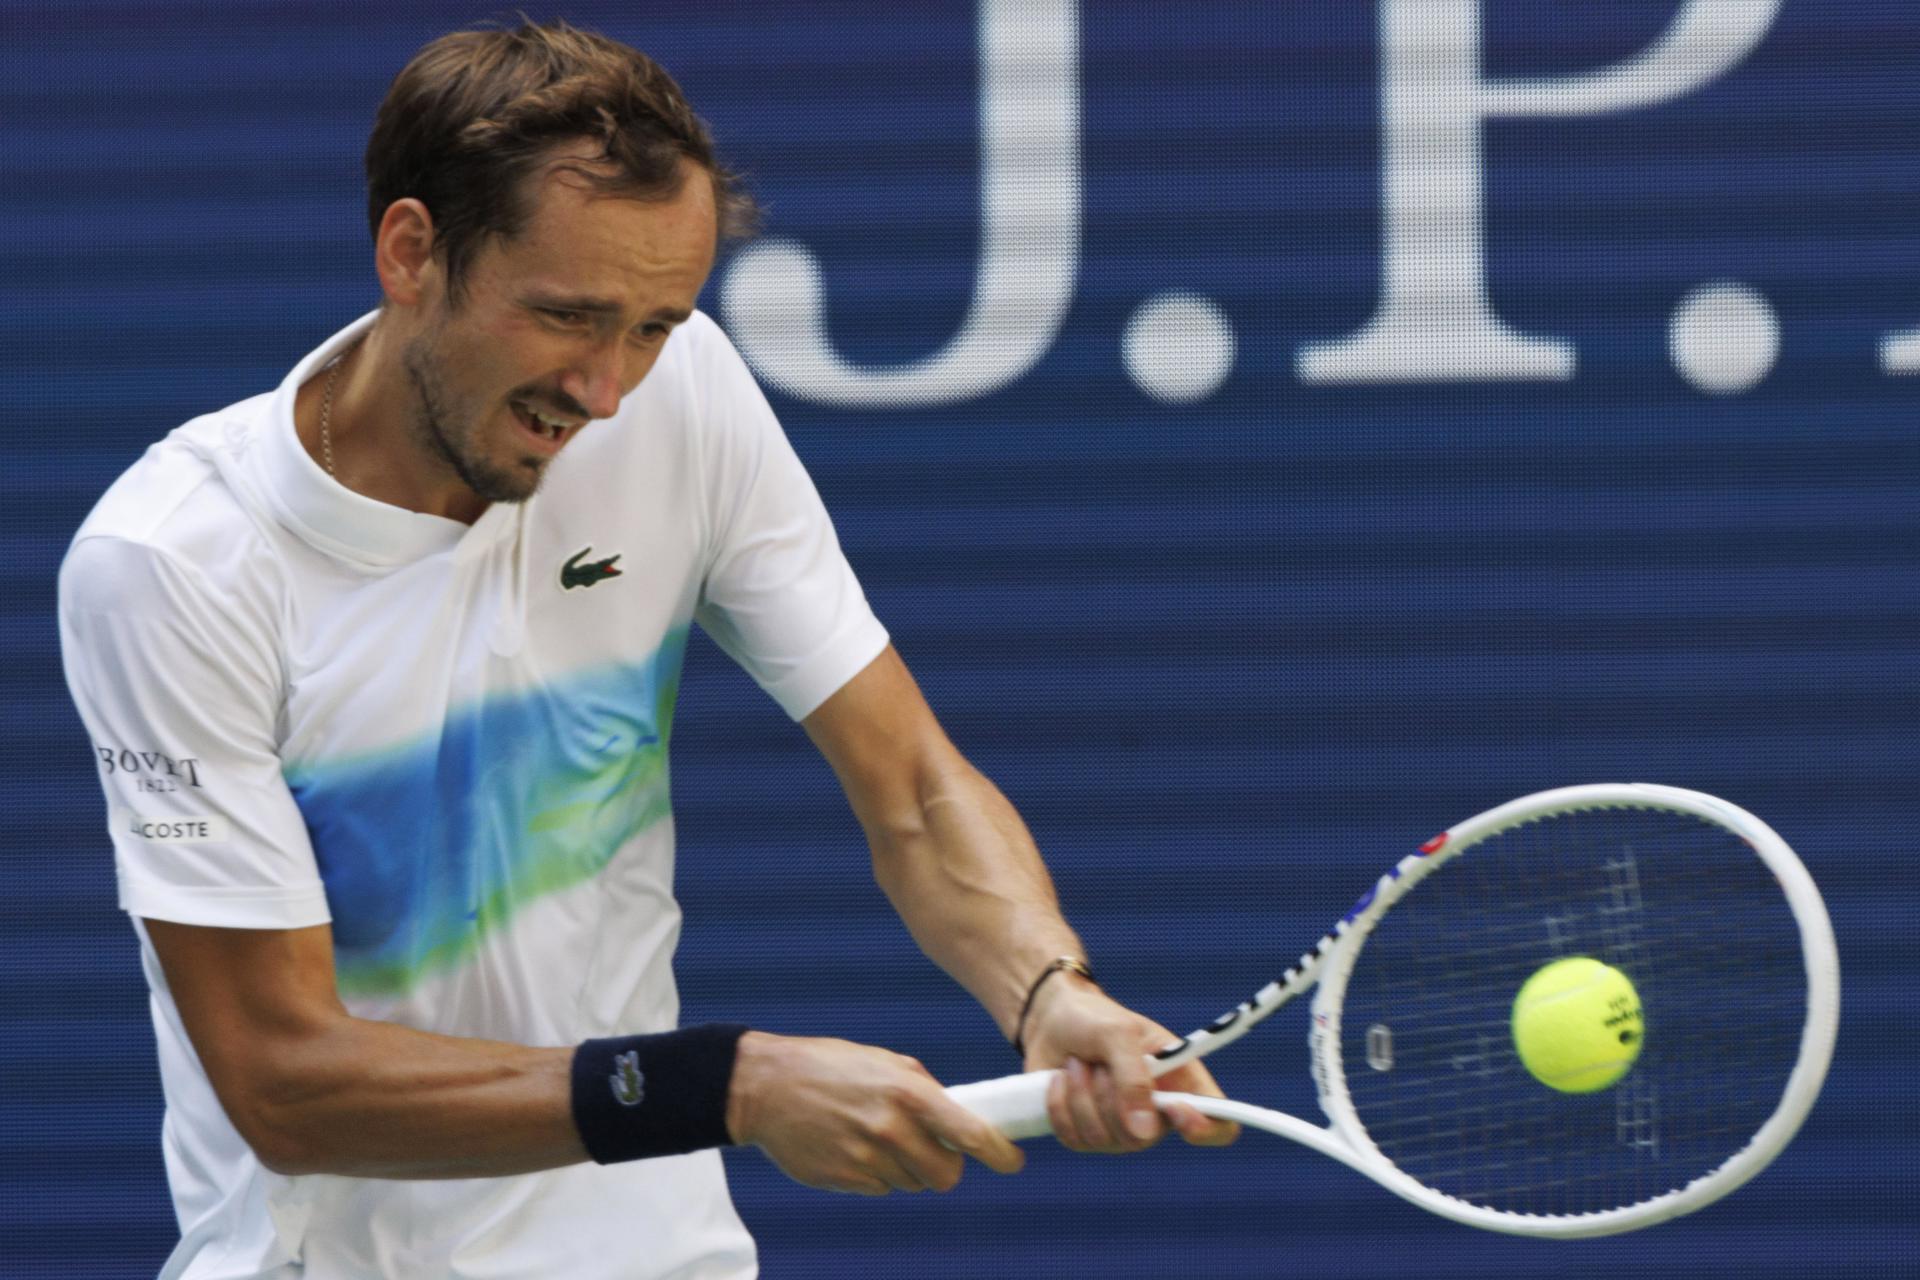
{"points": [[375, 1099], [963, 872]]}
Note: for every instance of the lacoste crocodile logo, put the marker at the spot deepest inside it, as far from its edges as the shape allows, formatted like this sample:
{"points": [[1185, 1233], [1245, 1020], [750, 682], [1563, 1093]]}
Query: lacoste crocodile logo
{"points": [[574, 574], [629, 1082]]}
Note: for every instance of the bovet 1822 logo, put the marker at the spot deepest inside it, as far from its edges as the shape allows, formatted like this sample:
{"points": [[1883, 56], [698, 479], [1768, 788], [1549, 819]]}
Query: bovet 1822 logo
{"points": [[149, 770]]}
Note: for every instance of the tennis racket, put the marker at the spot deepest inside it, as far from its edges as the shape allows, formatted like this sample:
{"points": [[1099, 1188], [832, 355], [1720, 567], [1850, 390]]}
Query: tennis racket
{"points": [[1709, 914]]}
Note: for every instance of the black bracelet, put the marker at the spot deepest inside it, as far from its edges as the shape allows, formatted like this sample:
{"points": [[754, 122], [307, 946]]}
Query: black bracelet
{"points": [[1071, 964], [657, 1095]]}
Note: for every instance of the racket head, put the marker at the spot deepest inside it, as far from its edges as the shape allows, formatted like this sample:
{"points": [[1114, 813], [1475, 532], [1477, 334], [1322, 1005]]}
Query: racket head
{"points": [[1673, 887]]}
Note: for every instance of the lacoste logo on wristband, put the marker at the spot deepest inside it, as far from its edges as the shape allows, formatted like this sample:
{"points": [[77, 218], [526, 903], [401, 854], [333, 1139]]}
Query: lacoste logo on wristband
{"points": [[574, 574], [629, 1085]]}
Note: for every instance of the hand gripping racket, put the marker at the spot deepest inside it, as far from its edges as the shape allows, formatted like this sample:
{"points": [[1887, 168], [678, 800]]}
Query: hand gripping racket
{"points": [[1708, 913]]}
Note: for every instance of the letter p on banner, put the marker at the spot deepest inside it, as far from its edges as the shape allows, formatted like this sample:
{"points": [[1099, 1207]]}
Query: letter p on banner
{"points": [[1434, 321]]}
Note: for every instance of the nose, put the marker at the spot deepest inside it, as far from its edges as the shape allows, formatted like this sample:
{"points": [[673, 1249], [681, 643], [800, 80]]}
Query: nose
{"points": [[597, 380]]}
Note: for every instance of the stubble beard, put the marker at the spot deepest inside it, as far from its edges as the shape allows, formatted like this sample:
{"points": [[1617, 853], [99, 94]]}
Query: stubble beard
{"points": [[455, 441]]}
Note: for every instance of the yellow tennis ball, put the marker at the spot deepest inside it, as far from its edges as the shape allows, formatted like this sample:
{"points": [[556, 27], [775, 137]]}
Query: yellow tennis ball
{"points": [[1577, 1025]]}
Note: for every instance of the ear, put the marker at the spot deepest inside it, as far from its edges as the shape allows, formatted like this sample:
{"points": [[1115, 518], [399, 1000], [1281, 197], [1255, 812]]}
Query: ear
{"points": [[403, 253]]}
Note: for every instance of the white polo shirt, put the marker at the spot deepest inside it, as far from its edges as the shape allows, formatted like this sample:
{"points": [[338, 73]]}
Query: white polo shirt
{"points": [[450, 742]]}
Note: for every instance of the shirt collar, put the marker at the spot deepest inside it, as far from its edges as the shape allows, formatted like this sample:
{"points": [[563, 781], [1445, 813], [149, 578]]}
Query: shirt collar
{"points": [[332, 517]]}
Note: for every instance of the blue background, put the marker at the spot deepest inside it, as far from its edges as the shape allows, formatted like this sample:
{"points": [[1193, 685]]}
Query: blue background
{"points": [[1229, 658]]}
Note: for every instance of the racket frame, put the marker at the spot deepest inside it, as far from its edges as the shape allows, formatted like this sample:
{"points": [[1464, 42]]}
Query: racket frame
{"points": [[1818, 950], [1017, 1104]]}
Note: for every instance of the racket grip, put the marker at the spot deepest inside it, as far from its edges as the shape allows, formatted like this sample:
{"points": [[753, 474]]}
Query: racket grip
{"points": [[1015, 1105]]}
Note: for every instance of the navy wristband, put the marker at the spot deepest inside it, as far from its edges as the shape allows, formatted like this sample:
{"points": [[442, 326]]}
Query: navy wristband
{"points": [[657, 1095]]}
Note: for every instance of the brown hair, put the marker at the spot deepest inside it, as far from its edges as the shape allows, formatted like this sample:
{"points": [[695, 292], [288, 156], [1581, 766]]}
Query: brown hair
{"points": [[476, 113]]}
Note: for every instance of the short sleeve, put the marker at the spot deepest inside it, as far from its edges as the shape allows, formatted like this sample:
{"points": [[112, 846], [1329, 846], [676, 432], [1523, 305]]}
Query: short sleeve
{"points": [[180, 699], [778, 595]]}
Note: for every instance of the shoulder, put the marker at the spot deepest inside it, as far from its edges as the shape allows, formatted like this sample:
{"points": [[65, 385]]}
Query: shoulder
{"points": [[703, 376], [171, 528], [701, 343], [697, 406]]}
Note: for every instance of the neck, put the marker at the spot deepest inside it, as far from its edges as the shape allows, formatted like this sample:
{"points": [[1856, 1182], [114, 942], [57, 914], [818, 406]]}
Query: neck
{"points": [[374, 451]]}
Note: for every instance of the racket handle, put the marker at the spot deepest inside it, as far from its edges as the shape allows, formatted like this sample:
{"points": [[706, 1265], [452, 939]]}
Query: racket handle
{"points": [[1015, 1105]]}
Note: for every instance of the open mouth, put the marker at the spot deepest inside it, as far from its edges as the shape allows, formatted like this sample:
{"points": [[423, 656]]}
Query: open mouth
{"points": [[546, 432]]}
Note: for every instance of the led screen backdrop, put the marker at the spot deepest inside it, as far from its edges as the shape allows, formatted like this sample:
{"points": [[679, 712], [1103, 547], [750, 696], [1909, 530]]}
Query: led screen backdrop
{"points": [[1271, 431]]}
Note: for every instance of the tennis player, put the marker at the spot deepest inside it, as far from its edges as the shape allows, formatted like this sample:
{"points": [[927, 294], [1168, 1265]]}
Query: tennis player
{"points": [[380, 668]]}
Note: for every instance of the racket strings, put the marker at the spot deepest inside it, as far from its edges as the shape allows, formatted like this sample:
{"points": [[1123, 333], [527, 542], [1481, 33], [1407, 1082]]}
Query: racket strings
{"points": [[1678, 904]]}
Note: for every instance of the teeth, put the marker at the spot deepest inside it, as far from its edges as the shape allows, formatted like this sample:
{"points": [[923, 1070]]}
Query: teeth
{"points": [[551, 428]]}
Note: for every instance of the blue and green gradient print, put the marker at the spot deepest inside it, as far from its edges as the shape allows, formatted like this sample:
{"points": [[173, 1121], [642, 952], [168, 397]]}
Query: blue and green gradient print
{"points": [[430, 845]]}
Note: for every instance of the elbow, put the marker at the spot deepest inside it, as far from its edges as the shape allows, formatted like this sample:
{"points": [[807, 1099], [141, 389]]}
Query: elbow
{"points": [[278, 1102], [278, 1137], [288, 1161], [939, 792]]}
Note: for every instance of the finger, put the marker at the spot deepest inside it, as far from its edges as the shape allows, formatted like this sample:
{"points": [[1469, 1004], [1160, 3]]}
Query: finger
{"points": [[1130, 1101], [934, 1166], [909, 1151], [897, 1172], [992, 1148], [1112, 1113], [856, 1184], [1197, 1129], [1200, 1130], [1060, 1112], [958, 1130], [1191, 1077], [933, 1163], [1084, 1104], [1128, 1107]]}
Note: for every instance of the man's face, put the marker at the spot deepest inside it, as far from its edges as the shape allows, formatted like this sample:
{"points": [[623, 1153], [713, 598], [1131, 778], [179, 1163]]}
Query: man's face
{"points": [[555, 326]]}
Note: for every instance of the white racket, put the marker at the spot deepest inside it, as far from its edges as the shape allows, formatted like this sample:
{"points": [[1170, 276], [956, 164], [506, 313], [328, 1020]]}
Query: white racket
{"points": [[1698, 902]]}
